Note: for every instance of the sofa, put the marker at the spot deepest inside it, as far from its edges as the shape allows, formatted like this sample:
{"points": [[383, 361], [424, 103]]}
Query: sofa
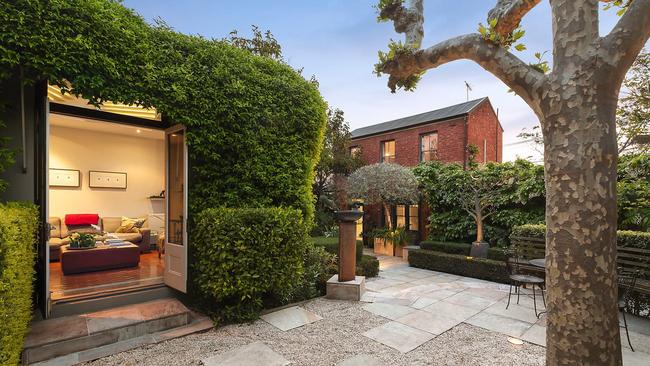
{"points": [[60, 236]]}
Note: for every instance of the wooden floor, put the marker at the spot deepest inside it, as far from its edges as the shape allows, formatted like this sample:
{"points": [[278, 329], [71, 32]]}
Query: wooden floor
{"points": [[149, 272]]}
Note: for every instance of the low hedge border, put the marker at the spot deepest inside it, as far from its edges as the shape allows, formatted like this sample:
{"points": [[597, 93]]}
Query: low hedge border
{"points": [[18, 236], [331, 245], [624, 238], [485, 269], [496, 254]]}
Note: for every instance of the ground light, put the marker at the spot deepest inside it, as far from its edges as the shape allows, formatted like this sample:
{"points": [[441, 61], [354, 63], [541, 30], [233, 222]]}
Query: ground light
{"points": [[516, 341]]}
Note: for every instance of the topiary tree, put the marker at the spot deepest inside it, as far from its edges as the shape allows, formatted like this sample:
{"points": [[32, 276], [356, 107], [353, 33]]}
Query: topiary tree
{"points": [[384, 184], [575, 101]]}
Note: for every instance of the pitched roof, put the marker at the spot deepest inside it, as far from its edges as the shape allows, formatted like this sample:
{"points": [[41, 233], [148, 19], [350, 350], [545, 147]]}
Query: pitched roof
{"points": [[435, 115]]}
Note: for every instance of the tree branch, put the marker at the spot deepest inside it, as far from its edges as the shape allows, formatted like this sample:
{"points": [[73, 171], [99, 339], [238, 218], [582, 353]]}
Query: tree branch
{"points": [[521, 78], [409, 21], [623, 44], [509, 13]]}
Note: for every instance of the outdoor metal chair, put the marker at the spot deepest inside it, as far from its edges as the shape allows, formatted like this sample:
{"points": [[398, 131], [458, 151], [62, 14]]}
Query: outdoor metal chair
{"points": [[518, 279], [626, 283]]}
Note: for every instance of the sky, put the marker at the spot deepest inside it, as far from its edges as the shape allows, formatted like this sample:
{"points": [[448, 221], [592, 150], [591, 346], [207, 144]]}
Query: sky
{"points": [[337, 41]]}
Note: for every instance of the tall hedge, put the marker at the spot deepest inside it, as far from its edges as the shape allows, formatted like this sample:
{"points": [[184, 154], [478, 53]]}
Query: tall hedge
{"points": [[255, 125], [244, 256], [18, 230]]}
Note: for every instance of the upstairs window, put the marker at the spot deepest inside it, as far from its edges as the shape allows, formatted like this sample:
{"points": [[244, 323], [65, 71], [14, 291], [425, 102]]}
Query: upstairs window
{"points": [[429, 146], [388, 151], [355, 150]]}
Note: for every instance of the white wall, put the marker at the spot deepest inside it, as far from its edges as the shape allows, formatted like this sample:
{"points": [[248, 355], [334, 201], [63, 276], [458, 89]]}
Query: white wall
{"points": [[141, 158]]}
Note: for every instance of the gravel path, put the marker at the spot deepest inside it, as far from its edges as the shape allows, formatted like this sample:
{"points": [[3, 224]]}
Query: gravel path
{"points": [[336, 337]]}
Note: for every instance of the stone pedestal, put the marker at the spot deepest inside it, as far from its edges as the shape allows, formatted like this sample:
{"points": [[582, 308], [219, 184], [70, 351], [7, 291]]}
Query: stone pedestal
{"points": [[347, 250], [346, 290]]}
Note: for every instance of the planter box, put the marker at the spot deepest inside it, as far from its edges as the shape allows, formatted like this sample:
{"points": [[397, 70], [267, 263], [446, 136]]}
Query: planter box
{"points": [[387, 247]]}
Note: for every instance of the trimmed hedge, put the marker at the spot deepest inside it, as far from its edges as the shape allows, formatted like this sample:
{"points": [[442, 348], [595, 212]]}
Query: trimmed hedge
{"points": [[368, 266], [331, 245], [18, 235], [486, 269], [624, 238], [459, 249], [244, 256]]}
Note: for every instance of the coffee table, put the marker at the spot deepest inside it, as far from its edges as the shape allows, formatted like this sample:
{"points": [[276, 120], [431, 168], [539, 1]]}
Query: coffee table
{"points": [[99, 258]]}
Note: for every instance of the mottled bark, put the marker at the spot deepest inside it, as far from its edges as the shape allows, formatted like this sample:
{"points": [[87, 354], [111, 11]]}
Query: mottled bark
{"points": [[580, 171]]}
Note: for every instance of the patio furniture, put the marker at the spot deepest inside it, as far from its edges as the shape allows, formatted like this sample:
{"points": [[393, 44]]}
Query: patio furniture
{"points": [[626, 283], [99, 258], [518, 279]]}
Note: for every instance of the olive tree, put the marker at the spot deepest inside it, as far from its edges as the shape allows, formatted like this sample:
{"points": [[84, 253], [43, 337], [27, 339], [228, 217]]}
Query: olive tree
{"points": [[575, 102], [384, 184]]}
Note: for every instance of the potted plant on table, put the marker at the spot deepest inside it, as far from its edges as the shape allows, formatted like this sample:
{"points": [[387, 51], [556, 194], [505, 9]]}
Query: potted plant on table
{"points": [[82, 241]]}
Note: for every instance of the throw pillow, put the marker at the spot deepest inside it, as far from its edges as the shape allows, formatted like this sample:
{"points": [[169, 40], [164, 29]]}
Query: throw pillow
{"points": [[129, 225]]}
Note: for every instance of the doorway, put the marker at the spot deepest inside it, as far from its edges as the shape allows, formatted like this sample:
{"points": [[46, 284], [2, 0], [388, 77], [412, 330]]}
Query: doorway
{"points": [[108, 174]]}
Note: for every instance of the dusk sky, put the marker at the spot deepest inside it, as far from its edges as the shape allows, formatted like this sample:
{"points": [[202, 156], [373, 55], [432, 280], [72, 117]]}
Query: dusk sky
{"points": [[338, 40]]}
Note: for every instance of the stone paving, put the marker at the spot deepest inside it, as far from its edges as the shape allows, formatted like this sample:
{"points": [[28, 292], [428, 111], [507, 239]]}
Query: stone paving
{"points": [[417, 301]]}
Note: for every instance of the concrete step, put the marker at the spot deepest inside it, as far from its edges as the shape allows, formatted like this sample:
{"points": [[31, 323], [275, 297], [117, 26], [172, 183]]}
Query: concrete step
{"points": [[71, 335]]}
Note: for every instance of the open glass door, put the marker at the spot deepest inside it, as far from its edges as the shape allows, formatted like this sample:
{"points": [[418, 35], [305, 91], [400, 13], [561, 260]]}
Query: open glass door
{"points": [[175, 274]]}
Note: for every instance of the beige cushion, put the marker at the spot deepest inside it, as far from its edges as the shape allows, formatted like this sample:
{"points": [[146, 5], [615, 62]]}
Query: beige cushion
{"points": [[55, 231], [110, 224], [57, 242], [132, 237], [84, 229]]}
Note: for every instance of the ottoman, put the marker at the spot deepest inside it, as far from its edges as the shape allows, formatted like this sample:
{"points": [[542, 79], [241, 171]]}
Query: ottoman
{"points": [[99, 258]]}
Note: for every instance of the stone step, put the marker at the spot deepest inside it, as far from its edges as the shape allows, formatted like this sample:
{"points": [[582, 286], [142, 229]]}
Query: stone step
{"points": [[69, 335]]}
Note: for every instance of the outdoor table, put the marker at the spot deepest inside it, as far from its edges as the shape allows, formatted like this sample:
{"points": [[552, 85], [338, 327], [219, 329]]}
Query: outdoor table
{"points": [[540, 262]]}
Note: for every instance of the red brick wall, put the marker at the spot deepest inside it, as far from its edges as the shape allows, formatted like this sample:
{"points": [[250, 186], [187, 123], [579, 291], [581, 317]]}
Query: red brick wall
{"points": [[484, 131], [451, 141]]}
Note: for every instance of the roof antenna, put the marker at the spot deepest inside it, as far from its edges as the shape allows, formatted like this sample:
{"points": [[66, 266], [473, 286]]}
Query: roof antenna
{"points": [[468, 89]]}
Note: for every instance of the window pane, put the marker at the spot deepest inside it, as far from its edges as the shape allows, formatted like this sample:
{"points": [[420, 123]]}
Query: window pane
{"points": [[401, 216], [355, 150], [413, 217], [428, 146], [388, 151]]}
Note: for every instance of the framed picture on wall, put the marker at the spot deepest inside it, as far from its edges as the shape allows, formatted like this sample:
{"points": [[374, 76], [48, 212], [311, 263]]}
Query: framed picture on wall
{"points": [[65, 178], [101, 179]]}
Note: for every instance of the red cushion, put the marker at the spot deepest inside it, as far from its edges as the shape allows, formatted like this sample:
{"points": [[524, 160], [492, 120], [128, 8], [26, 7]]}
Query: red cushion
{"points": [[82, 219]]}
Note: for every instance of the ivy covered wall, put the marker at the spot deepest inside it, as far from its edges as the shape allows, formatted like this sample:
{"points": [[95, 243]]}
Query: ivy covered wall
{"points": [[255, 125]]}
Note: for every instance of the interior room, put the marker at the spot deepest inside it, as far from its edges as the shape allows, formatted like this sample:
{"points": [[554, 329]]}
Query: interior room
{"points": [[106, 206]]}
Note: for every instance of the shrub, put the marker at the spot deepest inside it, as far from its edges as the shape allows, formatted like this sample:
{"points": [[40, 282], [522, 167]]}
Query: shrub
{"points": [[486, 269], [368, 266], [331, 245], [530, 231], [319, 265], [633, 239], [459, 249], [242, 256], [18, 235]]}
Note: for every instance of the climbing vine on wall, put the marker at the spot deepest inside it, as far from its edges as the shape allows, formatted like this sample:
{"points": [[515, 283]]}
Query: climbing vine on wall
{"points": [[254, 125]]}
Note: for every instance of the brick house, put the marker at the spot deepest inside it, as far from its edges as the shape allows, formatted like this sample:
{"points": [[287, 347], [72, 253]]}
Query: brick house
{"points": [[441, 134]]}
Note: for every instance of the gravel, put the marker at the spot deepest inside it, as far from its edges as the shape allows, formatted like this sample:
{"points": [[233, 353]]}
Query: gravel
{"points": [[336, 337]]}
